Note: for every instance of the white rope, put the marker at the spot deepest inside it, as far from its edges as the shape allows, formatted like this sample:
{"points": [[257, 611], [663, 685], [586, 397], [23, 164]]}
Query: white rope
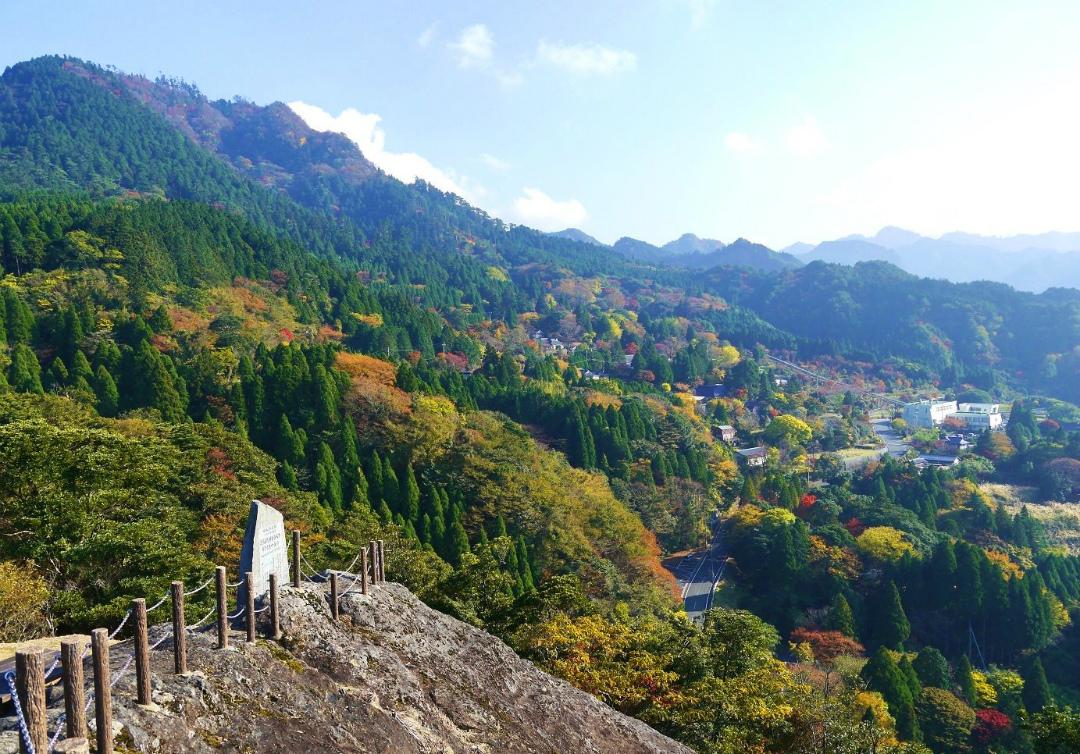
{"points": [[350, 566], [123, 670], [203, 620], [121, 626], [53, 666], [355, 581], [199, 588], [312, 568], [56, 735], [159, 603], [237, 614], [160, 641], [262, 609], [238, 583]]}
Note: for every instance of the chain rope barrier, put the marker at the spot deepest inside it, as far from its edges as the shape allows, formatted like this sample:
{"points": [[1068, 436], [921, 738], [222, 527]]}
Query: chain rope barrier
{"points": [[59, 727], [9, 678], [158, 604], [202, 620], [199, 588]]}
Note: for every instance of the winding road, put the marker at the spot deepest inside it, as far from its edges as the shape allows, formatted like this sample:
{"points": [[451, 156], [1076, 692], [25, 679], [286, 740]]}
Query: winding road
{"points": [[698, 574]]}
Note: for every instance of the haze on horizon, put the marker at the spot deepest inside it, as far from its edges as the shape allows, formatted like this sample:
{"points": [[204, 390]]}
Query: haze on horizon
{"points": [[773, 122]]}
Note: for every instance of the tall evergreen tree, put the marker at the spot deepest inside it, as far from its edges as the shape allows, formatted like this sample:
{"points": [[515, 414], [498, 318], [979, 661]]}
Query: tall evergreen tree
{"points": [[1037, 694], [841, 618], [890, 626], [24, 374], [108, 397], [883, 675], [965, 680], [410, 495]]}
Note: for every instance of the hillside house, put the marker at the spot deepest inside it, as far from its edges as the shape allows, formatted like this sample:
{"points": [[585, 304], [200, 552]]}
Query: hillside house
{"points": [[754, 457], [710, 391], [726, 433]]}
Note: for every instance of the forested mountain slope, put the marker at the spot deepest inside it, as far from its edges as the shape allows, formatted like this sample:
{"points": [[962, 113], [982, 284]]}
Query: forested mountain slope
{"points": [[107, 141]]}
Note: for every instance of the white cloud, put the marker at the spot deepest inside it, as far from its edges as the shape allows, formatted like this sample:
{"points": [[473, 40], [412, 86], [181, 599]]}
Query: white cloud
{"points": [[493, 162], [364, 130], [806, 138], [586, 60], [741, 143], [474, 47], [427, 36], [537, 209]]}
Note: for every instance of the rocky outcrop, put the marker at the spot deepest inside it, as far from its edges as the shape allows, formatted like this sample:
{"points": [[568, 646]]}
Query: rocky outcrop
{"points": [[392, 676]]}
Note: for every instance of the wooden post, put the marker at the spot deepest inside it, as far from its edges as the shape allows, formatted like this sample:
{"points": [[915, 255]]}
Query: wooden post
{"points": [[382, 563], [77, 745], [374, 558], [222, 609], [142, 652], [74, 696], [275, 615], [363, 570], [99, 638], [249, 608], [30, 683], [296, 557], [179, 629], [333, 595]]}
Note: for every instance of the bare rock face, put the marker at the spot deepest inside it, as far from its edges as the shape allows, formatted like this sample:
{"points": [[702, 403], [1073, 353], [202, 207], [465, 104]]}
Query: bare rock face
{"points": [[392, 676]]}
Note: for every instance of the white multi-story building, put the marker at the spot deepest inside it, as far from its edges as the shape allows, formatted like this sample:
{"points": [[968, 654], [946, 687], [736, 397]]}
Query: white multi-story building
{"points": [[978, 417], [928, 414]]}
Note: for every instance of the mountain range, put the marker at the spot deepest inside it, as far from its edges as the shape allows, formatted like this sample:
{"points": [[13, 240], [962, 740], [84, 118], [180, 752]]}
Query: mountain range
{"points": [[692, 252], [1026, 262], [71, 126], [1029, 262]]}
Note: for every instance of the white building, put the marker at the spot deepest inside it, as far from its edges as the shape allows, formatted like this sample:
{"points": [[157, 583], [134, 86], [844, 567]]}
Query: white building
{"points": [[928, 414], [978, 416]]}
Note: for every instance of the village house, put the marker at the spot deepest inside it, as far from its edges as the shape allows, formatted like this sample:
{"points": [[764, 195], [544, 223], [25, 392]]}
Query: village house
{"points": [[710, 391], [726, 433], [754, 457]]}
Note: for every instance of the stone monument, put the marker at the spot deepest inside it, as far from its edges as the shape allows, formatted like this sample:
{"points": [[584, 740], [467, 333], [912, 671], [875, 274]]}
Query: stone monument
{"points": [[264, 551]]}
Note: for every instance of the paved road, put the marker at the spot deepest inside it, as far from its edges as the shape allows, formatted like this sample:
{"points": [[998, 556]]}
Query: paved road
{"points": [[894, 445], [698, 574]]}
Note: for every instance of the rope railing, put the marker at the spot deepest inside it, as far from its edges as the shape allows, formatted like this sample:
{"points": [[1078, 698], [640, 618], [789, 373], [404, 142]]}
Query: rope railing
{"points": [[200, 587], [33, 727], [202, 620], [59, 727], [24, 728]]}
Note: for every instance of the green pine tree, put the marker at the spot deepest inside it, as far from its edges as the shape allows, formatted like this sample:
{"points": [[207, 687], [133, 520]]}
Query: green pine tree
{"points": [[841, 618], [883, 675], [410, 495], [890, 624], [932, 668], [108, 397], [1037, 694], [965, 680], [24, 374]]}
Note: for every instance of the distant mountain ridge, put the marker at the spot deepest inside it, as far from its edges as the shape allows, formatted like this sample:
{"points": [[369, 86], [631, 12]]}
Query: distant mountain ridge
{"points": [[1026, 262], [693, 252], [574, 234]]}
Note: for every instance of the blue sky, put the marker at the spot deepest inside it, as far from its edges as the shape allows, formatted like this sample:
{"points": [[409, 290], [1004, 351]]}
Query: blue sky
{"points": [[776, 121]]}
